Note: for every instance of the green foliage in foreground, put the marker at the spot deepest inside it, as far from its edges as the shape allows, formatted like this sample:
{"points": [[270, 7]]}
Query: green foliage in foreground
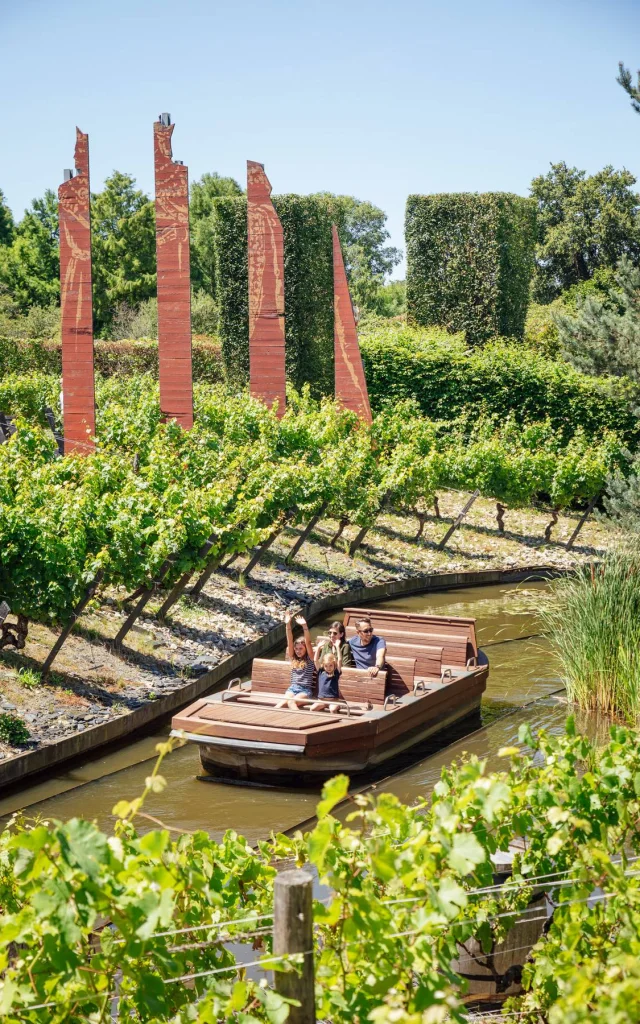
{"points": [[470, 262], [501, 379], [407, 886], [592, 619]]}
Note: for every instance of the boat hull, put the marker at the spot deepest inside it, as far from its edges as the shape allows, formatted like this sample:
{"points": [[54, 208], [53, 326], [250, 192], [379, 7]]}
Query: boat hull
{"points": [[260, 763]]}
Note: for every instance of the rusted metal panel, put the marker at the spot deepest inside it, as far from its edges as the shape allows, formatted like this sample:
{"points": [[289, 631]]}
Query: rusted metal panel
{"points": [[76, 301], [266, 291], [351, 386], [174, 280]]}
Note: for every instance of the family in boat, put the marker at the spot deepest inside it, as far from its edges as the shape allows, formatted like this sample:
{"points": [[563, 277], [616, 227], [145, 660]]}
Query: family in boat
{"points": [[364, 651]]}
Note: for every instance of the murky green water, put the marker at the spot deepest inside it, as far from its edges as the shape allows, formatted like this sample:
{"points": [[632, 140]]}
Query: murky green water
{"points": [[522, 672]]}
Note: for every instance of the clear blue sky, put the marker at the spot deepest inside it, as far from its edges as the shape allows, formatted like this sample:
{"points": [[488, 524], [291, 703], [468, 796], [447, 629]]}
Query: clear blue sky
{"points": [[351, 96]]}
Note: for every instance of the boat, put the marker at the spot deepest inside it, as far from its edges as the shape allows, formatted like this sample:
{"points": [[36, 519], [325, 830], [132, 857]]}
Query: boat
{"points": [[435, 677]]}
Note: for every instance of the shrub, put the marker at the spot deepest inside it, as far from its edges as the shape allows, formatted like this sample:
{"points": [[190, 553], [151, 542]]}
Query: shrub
{"points": [[13, 730], [135, 322], [470, 259], [204, 314], [593, 621], [125, 357], [449, 381], [308, 266]]}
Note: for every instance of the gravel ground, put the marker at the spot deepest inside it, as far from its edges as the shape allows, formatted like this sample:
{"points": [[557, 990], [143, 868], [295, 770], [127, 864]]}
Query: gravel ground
{"points": [[91, 683]]}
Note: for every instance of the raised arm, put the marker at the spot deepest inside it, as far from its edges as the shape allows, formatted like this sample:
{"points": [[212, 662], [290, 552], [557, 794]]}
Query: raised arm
{"points": [[287, 622], [316, 653], [300, 619]]}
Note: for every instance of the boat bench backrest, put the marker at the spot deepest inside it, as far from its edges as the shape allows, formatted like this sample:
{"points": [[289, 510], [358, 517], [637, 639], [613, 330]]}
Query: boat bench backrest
{"points": [[268, 676], [455, 649], [386, 622], [357, 686], [401, 674], [428, 659]]}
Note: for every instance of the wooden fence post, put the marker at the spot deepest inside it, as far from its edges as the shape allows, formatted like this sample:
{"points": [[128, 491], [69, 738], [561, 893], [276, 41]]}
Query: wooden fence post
{"points": [[456, 524], [293, 933]]}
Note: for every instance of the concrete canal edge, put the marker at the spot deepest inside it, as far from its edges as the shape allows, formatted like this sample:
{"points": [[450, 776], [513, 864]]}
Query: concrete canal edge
{"points": [[33, 762]]}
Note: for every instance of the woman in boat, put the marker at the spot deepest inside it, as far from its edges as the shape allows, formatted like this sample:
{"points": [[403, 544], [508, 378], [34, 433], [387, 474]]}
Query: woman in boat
{"points": [[300, 654], [337, 645]]}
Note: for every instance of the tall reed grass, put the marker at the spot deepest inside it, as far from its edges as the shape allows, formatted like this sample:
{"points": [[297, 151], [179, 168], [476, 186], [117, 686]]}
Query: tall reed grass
{"points": [[593, 622]]}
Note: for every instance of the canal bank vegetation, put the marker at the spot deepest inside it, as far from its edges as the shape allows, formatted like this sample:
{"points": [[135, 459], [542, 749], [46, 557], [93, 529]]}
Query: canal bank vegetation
{"points": [[154, 927], [592, 619]]}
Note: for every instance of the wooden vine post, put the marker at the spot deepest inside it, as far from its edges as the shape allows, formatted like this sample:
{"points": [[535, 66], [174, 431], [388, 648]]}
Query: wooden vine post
{"points": [[305, 533], [293, 933], [456, 523], [55, 650], [141, 605], [181, 584], [585, 515]]}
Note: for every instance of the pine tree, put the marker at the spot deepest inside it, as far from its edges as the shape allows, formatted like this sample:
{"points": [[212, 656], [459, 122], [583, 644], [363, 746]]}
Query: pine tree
{"points": [[603, 337], [626, 81]]}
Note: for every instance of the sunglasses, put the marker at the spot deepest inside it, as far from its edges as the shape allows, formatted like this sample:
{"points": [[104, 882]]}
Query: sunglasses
{"points": [[365, 631], [334, 632]]}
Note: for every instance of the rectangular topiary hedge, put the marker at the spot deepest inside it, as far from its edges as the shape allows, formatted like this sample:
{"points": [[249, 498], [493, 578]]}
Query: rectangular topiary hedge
{"points": [[470, 258], [308, 287], [502, 379]]}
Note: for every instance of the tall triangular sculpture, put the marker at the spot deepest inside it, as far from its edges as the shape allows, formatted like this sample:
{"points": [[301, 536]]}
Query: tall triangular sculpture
{"points": [[76, 301], [351, 386], [174, 278], [266, 292]]}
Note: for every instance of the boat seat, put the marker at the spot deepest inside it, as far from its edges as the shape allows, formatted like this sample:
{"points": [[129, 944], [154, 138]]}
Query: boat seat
{"points": [[401, 675], [268, 676], [456, 650], [357, 686], [428, 659]]}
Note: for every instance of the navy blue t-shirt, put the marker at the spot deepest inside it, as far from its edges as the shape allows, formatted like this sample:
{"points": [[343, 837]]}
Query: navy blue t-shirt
{"points": [[328, 684], [365, 657]]}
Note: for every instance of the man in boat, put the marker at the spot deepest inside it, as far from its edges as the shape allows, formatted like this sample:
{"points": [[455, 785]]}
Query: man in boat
{"points": [[369, 650]]}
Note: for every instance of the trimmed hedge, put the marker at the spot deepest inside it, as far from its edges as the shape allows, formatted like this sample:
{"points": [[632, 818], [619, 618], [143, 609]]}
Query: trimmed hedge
{"points": [[501, 379], [470, 259], [308, 287], [111, 357]]}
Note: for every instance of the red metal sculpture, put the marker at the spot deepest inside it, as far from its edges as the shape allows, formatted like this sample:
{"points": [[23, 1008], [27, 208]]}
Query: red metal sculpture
{"points": [[76, 300], [351, 386], [174, 279], [266, 291]]}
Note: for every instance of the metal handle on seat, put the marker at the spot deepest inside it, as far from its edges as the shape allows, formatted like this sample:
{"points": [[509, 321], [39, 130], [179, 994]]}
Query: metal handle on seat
{"points": [[419, 685], [472, 662], [446, 674], [390, 699]]}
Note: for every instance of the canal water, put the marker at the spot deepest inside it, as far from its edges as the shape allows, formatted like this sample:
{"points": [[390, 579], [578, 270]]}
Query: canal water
{"points": [[522, 677]]}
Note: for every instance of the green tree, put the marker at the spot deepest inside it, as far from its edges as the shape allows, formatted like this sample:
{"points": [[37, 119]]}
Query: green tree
{"points": [[584, 223], [625, 80], [203, 194], [603, 335], [6, 221], [363, 235], [124, 247], [30, 266]]}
